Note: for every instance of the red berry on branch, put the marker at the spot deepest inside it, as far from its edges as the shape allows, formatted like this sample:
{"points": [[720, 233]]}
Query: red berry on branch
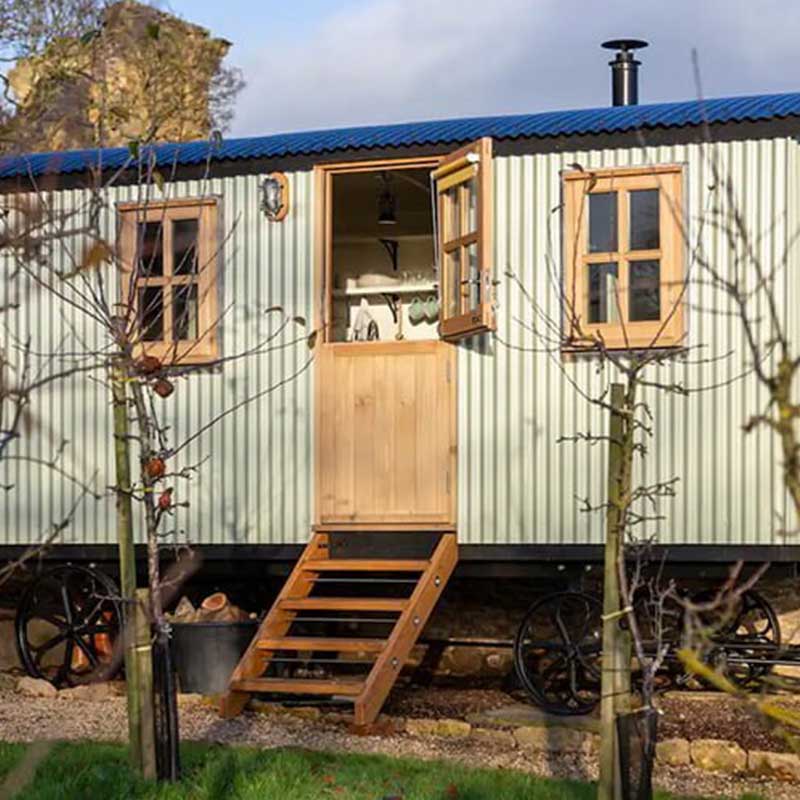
{"points": [[163, 388], [155, 467], [165, 499]]}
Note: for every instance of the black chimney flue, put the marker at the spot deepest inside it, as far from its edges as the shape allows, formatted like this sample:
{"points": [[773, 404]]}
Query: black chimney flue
{"points": [[624, 71]]}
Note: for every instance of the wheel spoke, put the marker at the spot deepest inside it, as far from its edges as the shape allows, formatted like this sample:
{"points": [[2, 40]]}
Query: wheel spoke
{"points": [[562, 628], [573, 679], [95, 612], [56, 621], [63, 671], [552, 667], [50, 643], [87, 651], [66, 603], [94, 630]]}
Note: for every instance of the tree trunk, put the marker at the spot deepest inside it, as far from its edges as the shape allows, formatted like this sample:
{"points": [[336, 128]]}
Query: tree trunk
{"points": [[140, 737], [615, 678]]}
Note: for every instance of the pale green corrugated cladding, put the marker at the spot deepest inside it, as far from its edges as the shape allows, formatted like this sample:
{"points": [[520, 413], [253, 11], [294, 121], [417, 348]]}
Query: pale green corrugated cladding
{"points": [[516, 485], [256, 485]]}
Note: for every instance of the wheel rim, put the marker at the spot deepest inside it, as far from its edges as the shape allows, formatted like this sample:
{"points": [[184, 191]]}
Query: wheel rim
{"points": [[741, 636], [557, 652], [67, 623]]}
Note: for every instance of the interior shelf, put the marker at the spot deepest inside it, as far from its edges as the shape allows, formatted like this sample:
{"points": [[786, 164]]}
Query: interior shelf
{"points": [[400, 288], [372, 239]]}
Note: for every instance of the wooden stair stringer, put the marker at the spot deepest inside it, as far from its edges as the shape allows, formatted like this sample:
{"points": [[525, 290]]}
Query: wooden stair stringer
{"points": [[274, 625], [406, 631]]}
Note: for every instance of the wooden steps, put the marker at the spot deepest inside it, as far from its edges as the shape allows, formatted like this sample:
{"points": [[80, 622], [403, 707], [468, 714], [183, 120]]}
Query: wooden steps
{"points": [[299, 686], [344, 604], [364, 565], [285, 629], [307, 644]]}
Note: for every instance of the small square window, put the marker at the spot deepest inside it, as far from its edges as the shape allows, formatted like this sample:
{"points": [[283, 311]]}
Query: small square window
{"points": [[171, 290], [623, 255]]}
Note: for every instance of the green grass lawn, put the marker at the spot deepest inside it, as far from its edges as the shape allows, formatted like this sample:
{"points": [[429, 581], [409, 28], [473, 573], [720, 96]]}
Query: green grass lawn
{"points": [[89, 771]]}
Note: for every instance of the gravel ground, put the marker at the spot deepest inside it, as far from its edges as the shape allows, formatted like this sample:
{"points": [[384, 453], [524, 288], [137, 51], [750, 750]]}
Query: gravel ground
{"points": [[712, 715], [29, 719]]}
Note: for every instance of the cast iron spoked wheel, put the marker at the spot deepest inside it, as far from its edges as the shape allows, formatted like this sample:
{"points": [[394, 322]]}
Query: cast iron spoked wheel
{"points": [[742, 636], [557, 652], [67, 622]]}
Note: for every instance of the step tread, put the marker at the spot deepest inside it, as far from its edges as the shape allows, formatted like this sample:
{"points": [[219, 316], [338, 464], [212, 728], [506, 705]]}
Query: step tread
{"points": [[299, 686], [364, 565], [319, 643], [344, 604]]}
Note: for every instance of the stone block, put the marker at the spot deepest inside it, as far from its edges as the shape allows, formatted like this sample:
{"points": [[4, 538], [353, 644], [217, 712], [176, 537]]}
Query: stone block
{"points": [[449, 728], [673, 752], [36, 687], [774, 766], [718, 755], [551, 739], [494, 737]]}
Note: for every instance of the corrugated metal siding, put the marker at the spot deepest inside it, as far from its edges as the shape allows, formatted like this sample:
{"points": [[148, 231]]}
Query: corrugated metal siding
{"points": [[607, 119], [255, 486], [516, 484]]}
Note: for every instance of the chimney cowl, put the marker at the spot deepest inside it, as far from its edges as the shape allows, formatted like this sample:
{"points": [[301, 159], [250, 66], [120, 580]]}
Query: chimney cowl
{"points": [[624, 71]]}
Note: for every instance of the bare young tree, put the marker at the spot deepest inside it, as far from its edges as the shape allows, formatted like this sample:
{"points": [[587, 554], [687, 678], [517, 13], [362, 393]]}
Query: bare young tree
{"points": [[641, 609]]}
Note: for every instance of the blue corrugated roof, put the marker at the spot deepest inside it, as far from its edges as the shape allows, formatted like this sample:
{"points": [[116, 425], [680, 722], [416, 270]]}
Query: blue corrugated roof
{"points": [[438, 132]]}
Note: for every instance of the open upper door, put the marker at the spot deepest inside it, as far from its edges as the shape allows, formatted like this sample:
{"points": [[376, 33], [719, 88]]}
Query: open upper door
{"points": [[462, 187]]}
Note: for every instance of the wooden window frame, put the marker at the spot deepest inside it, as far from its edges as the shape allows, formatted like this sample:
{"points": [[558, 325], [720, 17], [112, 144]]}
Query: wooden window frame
{"points": [[204, 349], [456, 170], [666, 332]]}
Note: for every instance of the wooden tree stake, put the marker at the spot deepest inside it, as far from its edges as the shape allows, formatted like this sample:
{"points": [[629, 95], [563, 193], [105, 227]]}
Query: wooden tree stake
{"points": [[616, 657]]}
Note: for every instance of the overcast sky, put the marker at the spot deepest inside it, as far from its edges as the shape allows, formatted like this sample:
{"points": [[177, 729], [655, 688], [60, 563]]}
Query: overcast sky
{"points": [[328, 63]]}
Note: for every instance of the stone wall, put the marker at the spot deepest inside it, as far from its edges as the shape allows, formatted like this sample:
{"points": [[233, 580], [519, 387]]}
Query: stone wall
{"points": [[145, 75]]}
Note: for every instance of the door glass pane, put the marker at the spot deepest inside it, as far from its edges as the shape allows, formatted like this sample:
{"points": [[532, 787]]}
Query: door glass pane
{"points": [[149, 241], [185, 322], [151, 313], [471, 192], [452, 263], [474, 276], [184, 246], [644, 293], [603, 304], [645, 226], [452, 214], [603, 222]]}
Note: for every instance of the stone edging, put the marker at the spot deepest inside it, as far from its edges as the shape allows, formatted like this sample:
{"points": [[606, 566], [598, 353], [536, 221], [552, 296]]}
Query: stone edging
{"points": [[713, 755]]}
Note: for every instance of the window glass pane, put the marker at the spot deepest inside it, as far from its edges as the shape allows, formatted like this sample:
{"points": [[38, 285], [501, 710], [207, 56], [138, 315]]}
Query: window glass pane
{"points": [[603, 222], [185, 322], [452, 214], [184, 246], [149, 241], [474, 276], [603, 304], [452, 263], [471, 192], [644, 220], [151, 313], [644, 293]]}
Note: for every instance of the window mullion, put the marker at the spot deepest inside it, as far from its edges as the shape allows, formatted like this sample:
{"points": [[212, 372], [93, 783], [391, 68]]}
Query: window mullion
{"points": [[167, 258]]}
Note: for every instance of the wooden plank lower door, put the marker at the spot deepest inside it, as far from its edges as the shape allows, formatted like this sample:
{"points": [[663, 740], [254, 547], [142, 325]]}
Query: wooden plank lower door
{"points": [[385, 434]]}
